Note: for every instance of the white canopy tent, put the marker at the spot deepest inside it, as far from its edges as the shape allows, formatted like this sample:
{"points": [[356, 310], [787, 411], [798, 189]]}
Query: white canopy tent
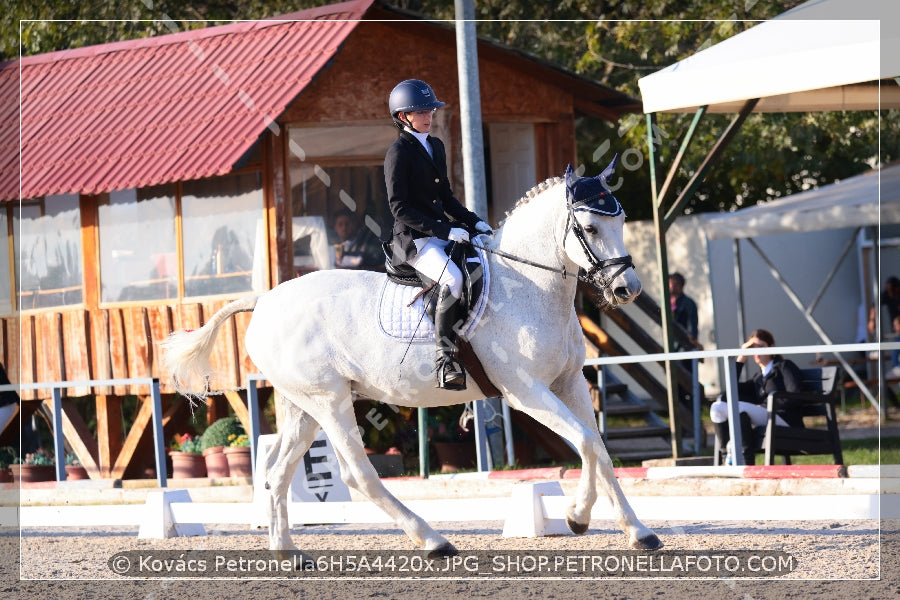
{"points": [[823, 55], [853, 202]]}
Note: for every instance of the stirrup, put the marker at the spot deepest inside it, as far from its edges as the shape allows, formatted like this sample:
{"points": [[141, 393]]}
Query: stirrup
{"points": [[450, 375]]}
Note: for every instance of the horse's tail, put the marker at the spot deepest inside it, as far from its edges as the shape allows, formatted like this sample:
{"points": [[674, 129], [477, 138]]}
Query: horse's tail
{"points": [[186, 353]]}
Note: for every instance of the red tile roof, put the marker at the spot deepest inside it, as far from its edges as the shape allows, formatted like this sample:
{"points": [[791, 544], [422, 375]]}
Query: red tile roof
{"points": [[155, 110]]}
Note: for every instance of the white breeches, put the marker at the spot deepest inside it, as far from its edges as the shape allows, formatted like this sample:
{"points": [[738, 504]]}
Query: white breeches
{"points": [[431, 260], [718, 413]]}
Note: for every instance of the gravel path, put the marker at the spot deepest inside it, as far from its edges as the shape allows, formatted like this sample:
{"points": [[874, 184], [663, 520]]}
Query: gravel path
{"points": [[836, 559]]}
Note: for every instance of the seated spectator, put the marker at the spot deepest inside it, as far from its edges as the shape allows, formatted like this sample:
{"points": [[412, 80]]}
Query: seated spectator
{"points": [[356, 247], [777, 374]]}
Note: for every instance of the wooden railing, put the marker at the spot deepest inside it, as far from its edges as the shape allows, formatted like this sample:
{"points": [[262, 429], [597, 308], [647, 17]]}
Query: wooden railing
{"points": [[117, 344]]}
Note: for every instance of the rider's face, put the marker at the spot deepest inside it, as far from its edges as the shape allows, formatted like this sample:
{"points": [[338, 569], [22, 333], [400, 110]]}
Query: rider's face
{"points": [[420, 120]]}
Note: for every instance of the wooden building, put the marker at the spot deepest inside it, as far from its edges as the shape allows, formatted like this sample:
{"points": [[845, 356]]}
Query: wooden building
{"points": [[163, 177]]}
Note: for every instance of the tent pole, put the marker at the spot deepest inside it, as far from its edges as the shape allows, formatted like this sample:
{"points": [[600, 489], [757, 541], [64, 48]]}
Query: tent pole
{"points": [[665, 314], [709, 161], [738, 286]]}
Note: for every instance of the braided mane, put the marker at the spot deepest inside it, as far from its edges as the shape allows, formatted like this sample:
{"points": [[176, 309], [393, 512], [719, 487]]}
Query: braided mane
{"points": [[530, 194]]}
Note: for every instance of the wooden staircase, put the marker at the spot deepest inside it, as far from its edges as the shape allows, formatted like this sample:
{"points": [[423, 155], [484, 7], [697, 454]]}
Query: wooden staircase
{"points": [[633, 425], [632, 430]]}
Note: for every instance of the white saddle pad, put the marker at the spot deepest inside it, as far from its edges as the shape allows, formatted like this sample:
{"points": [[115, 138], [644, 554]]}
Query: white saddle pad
{"points": [[404, 322]]}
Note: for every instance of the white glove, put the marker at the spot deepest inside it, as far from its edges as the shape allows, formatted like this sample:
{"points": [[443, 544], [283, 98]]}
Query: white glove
{"points": [[458, 235], [483, 227]]}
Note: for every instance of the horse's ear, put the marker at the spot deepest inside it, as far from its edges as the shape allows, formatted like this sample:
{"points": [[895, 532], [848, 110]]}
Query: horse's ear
{"points": [[571, 177], [609, 170]]}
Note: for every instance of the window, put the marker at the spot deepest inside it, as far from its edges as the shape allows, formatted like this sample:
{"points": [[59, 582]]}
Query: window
{"points": [[138, 254], [48, 245], [223, 237], [338, 173]]}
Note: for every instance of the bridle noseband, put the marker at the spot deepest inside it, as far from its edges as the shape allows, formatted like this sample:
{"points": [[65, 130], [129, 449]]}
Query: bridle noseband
{"points": [[597, 264]]}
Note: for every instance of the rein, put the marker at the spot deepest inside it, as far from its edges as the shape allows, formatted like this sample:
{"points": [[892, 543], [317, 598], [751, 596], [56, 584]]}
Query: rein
{"points": [[597, 265]]}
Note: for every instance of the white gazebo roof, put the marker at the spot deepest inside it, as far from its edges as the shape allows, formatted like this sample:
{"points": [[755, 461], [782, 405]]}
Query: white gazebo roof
{"points": [[822, 55]]}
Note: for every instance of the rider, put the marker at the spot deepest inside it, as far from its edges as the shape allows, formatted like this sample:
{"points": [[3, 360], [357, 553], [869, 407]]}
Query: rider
{"points": [[428, 219]]}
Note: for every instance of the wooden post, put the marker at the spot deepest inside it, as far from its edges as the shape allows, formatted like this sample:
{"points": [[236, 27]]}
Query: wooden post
{"points": [[109, 432]]}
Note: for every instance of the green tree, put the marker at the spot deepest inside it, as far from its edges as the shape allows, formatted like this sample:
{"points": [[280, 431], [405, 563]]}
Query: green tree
{"points": [[613, 43]]}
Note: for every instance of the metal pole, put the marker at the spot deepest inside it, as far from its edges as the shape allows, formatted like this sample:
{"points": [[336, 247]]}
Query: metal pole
{"points": [[734, 413], [253, 411], [695, 394], [481, 453], [58, 447], [423, 442], [470, 108], [159, 441], [665, 317], [508, 433]]}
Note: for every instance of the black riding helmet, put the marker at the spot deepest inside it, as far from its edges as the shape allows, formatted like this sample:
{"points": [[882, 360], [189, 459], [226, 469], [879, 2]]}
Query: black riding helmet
{"points": [[409, 96]]}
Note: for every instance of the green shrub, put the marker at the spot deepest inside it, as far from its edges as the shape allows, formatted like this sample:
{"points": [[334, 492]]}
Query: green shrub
{"points": [[218, 433], [8, 456]]}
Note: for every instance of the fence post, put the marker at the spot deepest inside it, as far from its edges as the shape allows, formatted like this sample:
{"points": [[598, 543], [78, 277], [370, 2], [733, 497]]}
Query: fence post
{"points": [[734, 413], [253, 410], [59, 450], [159, 441]]}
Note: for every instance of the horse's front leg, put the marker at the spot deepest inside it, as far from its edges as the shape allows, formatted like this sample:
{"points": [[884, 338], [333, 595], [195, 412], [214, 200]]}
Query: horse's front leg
{"points": [[536, 400], [578, 399]]}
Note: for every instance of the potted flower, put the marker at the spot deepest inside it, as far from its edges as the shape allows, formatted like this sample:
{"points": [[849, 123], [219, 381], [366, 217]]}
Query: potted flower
{"points": [[238, 455], [36, 466], [214, 440], [74, 468], [8, 456], [186, 458]]}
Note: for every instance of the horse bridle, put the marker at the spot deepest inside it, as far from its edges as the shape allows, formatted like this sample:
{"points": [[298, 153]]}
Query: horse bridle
{"points": [[597, 264]]}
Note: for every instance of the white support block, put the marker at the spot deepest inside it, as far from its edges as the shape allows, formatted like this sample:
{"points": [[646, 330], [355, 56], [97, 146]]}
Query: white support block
{"points": [[527, 517], [159, 522]]}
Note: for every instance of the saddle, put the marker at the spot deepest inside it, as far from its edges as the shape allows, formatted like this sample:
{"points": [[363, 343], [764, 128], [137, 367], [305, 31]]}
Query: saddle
{"points": [[464, 256], [472, 265]]}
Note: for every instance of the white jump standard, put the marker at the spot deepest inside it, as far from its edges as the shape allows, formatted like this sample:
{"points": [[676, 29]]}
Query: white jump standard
{"points": [[317, 340]]}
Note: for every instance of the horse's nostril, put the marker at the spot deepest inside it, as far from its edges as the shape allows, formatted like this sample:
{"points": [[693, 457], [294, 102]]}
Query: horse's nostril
{"points": [[622, 292]]}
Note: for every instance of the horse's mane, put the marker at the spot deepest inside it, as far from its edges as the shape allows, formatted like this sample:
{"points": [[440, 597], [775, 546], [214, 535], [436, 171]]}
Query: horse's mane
{"points": [[532, 193]]}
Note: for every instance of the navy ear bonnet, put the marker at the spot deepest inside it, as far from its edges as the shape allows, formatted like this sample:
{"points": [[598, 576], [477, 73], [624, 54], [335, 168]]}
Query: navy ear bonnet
{"points": [[591, 193]]}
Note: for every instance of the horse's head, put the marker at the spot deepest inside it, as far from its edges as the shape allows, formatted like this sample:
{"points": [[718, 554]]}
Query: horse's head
{"points": [[594, 236]]}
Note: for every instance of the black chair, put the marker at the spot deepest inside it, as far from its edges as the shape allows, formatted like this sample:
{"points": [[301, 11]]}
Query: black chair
{"points": [[816, 400]]}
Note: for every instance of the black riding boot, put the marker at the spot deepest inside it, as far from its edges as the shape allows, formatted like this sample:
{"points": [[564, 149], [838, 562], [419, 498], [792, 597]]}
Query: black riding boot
{"points": [[450, 373], [748, 440], [723, 436]]}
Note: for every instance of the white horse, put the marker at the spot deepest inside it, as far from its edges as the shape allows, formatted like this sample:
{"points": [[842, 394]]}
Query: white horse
{"points": [[317, 339]]}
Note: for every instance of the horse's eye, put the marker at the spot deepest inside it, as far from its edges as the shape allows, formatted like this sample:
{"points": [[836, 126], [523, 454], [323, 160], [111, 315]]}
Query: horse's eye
{"points": [[590, 229]]}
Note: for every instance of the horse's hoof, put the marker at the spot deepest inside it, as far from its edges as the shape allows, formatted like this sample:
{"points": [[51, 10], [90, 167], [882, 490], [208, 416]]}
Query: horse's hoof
{"points": [[575, 527], [444, 550], [651, 542]]}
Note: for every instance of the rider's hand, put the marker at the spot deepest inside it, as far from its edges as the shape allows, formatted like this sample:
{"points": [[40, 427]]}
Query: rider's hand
{"points": [[483, 227], [458, 235]]}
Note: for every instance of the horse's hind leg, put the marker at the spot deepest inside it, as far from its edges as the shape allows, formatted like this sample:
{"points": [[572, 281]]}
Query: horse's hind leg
{"points": [[294, 439], [357, 471]]}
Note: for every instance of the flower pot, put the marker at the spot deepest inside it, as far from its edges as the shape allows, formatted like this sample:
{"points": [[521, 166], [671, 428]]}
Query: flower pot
{"points": [[216, 463], [76, 472], [32, 473], [187, 465], [239, 461], [6, 476], [455, 456]]}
